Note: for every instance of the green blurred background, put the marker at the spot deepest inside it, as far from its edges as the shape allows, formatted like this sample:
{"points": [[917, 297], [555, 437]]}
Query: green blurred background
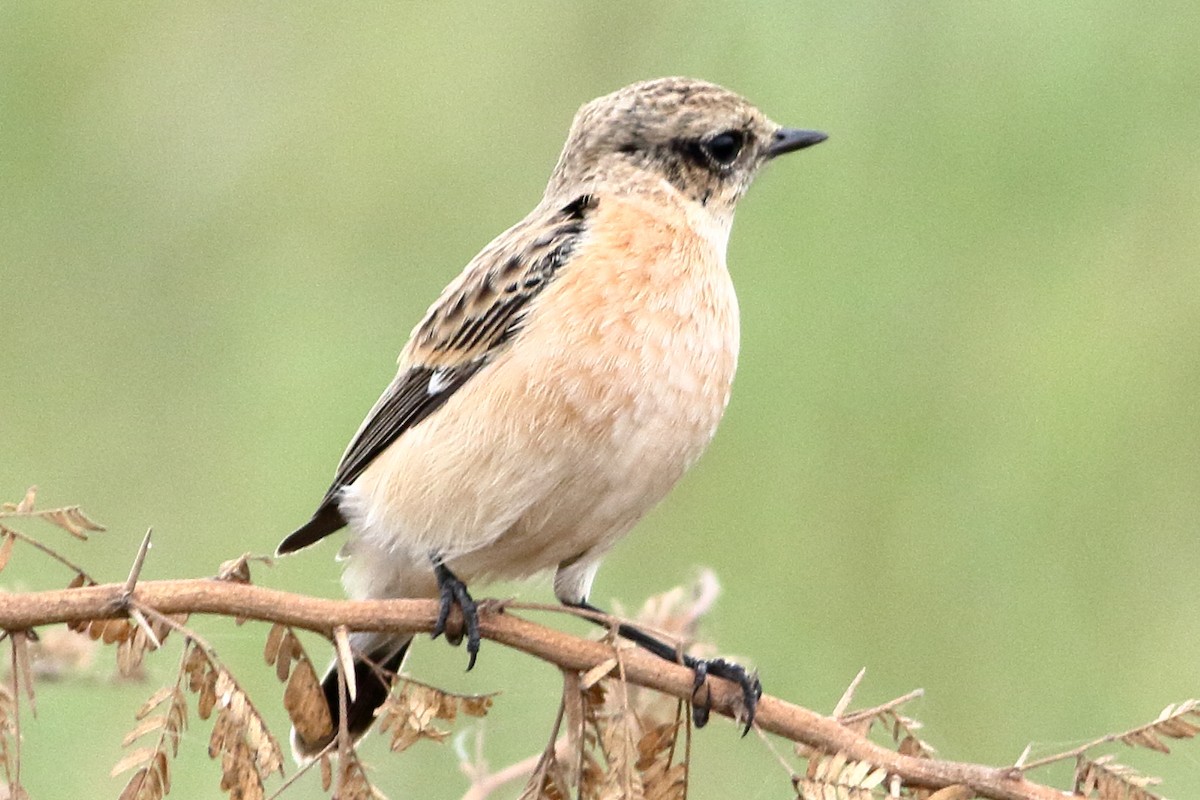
{"points": [[963, 445]]}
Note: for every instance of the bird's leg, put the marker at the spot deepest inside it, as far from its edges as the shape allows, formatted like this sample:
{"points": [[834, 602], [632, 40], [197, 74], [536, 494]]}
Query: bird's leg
{"points": [[702, 668], [450, 591]]}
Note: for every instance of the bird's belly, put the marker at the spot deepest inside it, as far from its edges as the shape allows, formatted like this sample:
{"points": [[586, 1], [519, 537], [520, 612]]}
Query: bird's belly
{"points": [[605, 487]]}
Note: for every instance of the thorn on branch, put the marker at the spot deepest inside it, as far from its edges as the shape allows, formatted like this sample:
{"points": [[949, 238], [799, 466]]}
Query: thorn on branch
{"points": [[135, 571]]}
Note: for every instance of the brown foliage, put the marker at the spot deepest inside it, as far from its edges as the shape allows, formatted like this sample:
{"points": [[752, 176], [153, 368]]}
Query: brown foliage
{"points": [[614, 738]]}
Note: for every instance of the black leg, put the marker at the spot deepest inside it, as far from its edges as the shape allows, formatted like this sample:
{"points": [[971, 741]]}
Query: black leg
{"points": [[718, 667], [451, 591]]}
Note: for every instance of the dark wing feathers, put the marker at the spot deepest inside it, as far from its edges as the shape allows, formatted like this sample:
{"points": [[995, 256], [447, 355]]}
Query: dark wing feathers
{"points": [[465, 329], [409, 399]]}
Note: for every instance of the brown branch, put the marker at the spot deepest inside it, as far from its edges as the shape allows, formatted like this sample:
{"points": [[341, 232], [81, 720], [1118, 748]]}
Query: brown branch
{"points": [[21, 611]]}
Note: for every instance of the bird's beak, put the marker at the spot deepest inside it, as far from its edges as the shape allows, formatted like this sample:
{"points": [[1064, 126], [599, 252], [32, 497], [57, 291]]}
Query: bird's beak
{"points": [[788, 139]]}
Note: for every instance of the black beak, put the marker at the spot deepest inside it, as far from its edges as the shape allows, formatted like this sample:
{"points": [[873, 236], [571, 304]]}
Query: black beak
{"points": [[788, 139]]}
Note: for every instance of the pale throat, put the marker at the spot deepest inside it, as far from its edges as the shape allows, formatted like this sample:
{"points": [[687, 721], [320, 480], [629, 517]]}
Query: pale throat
{"points": [[711, 221]]}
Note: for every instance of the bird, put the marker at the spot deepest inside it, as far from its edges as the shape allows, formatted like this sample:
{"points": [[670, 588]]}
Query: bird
{"points": [[561, 385]]}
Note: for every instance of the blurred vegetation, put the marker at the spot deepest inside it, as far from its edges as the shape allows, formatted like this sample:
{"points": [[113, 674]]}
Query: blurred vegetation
{"points": [[964, 445]]}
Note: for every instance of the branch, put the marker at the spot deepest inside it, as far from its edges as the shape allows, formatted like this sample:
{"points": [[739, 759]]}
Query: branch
{"points": [[207, 596]]}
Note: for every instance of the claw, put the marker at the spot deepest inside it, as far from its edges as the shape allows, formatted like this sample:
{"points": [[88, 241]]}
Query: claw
{"points": [[700, 710], [452, 591], [719, 667]]}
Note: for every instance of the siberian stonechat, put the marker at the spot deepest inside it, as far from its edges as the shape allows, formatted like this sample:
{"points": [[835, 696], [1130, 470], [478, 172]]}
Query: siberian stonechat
{"points": [[564, 382]]}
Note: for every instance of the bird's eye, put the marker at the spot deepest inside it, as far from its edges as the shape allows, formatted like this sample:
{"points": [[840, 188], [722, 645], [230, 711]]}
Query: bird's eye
{"points": [[724, 147]]}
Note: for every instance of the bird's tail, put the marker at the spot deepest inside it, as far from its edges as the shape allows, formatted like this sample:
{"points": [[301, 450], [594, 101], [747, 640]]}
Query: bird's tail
{"points": [[372, 678]]}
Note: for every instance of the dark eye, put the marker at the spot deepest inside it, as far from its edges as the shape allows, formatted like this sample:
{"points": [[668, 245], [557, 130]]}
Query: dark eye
{"points": [[724, 147]]}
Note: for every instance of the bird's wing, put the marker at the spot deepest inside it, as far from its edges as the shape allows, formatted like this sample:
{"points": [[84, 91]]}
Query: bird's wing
{"points": [[475, 318]]}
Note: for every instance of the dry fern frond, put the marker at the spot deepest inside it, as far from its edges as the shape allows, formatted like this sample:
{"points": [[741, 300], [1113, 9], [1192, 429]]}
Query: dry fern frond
{"points": [[584, 706], [617, 752], [152, 778], [302, 697], [619, 733], [1177, 721], [133, 640], [70, 518], [22, 508], [838, 778], [900, 728], [353, 783], [247, 750], [1104, 779], [549, 781], [133, 647], [249, 753], [411, 709], [662, 777]]}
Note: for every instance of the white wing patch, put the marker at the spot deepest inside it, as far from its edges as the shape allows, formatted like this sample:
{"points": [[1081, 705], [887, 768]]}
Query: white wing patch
{"points": [[439, 381]]}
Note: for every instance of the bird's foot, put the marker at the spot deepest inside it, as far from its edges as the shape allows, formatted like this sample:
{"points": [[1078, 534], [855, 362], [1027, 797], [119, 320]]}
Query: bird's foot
{"points": [[452, 591], [720, 668], [717, 667]]}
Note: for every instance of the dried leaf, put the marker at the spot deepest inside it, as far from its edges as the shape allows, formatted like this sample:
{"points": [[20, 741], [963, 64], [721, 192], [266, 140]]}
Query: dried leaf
{"points": [[153, 778], [597, 673], [848, 695], [195, 663], [131, 652], [306, 706], [249, 753], [69, 518], [138, 786], [475, 705], [143, 727], [548, 782], [162, 768], [275, 638], [235, 570], [23, 673], [26, 504], [837, 776], [410, 711], [1105, 779], [353, 783], [326, 772], [78, 581], [132, 759], [110, 630]]}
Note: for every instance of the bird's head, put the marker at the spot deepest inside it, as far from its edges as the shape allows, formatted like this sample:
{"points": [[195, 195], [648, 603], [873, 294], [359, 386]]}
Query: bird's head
{"points": [[704, 141]]}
